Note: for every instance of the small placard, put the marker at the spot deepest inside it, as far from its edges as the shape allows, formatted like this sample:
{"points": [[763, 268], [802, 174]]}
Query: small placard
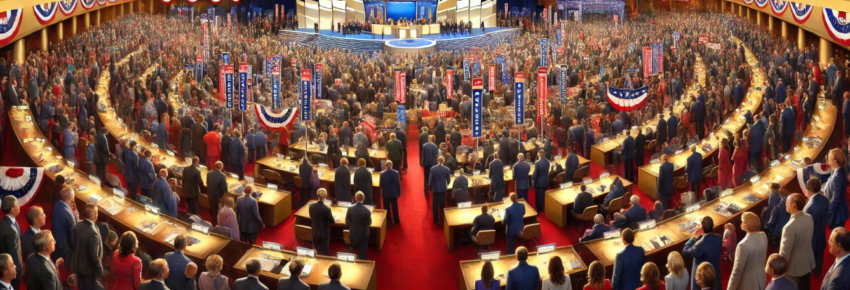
{"points": [[646, 225], [233, 175], [727, 192], [272, 186], [692, 208], [679, 151], [774, 163], [323, 165], [588, 181], [155, 146], [188, 160], [755, 179], [70, 163], [118, 192], [465, 204], [152, 209], [611, 235], [566, 185], [204, 167], [604, 175], [797, 148], [144, 199], [201, 228], [346, 257], [543, 249], [343, 204], [94, 179], [170, 153], [788, 156], [305, 252], [816, 117], [491, 256], [476, 172], [272, 246], [279, 155]]}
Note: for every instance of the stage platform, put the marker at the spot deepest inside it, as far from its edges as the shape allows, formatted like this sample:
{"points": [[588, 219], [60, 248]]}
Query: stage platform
{"points": [[365, 42]]}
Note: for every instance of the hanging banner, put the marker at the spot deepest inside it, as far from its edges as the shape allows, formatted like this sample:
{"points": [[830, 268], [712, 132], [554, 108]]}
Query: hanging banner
{"points": [[466, 69], [402, 115], [519, 93], [402, 97], [476, 67], [23, 183], [675, 39], [293, 62], [221, 84], [647, 61], [625, 100], [491, 77], [477, 100], [275, 87], [703, 39], [837, 25], [449, 84], [562, 83], [228, 88], [657, 57], [306, 80], [541, 92], [544, 52], [271, 120], [225, 58], [712, 45], [243, 86], [269, 66], [228, 21], [319, 71], [199, 69]]}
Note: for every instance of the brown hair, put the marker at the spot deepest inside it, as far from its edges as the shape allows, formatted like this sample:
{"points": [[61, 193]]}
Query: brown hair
{"points": [[705, 275], [596, 275], [556, 271], [487, 274], [649, 276], [839, 157]]}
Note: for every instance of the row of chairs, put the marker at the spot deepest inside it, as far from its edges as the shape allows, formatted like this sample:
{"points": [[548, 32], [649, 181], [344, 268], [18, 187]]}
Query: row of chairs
{"points": [[485, 238]]}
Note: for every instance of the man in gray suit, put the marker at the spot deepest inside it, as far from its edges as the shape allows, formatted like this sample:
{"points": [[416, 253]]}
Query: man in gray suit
{"points": [[248, 215], [87, 250], [252, 281], [321, 218], [158, 271], [359, 218], [748, 271], [10, 235], [797, 242], [216, 189], [294, 281], [334, 272]]}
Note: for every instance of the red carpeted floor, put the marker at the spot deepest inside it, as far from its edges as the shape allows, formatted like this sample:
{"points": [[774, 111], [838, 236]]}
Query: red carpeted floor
{"points": [[415, 252]]}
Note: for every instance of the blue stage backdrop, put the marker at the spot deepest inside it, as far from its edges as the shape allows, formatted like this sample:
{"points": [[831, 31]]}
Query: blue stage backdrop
{"points": [[399, 10]]}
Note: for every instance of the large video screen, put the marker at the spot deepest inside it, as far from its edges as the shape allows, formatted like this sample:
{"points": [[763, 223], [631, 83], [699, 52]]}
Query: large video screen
{"points": [[399, 10]]}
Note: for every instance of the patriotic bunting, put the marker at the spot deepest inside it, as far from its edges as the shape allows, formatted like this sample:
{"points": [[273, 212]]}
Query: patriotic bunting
{"points": [[45, 12], [837, 25], [20, 182], [778, 7], [10, 23], [801, 12], [68, 6], [271, 120], [625, 100]]}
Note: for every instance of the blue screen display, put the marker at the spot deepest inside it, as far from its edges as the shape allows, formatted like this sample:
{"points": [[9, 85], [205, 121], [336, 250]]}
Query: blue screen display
{"points": [[398, 10]]}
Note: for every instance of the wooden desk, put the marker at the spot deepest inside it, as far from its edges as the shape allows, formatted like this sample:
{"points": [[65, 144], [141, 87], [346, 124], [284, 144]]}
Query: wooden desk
{"points": [[559, 201], [358, 275], [378, 154], [648, 174], [470, 271], [377, 231], [458, 219], [288, 170]]}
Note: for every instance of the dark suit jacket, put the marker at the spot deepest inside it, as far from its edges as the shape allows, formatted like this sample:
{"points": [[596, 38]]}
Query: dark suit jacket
{"points": [[237, 154], [634, 215], [439, 178], [358, 218], [292, 283], [460, 189], [629, 148], [390, 183], [818, 208], [504, 148], [177, 263], [627, 268], [513, 219], [249, 283], [694, 167], [838, 278], [428, 155], [248, 214], [131, 166], [41, 274], [152, 285], [483, 222], [147, 174], [363, 182], [582, 201], [87, 249], [661, 132], [497, 179], [394, 150], [540, 177], [191, 182], [216, 186], [672, 128], [321, 218], [665, 179], [597, 232], [101, 150], [10, 240], [521, 170], [164, 198], [757, 136], [707, 248], [342, 182], [305, 171], [523, 276], [62, 224], [26, 243], [570, 167], [640, 143], [331, 285]]}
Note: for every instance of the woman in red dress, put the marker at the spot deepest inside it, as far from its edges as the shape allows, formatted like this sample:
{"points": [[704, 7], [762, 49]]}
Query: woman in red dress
{"points": [[741, 159], [126, 266], [724, 170]]}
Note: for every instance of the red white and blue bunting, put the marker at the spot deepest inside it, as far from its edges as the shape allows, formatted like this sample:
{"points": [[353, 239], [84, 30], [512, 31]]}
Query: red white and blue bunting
{"points": [[271, 120], [762, 3], [113, 1], [837, 25], [820, 171], [20, 182], [801, 12], [10, 23], [748, 2], [101, 2], [45, 12], [88, 4], [625, 100], [68, 6], [778, 7]]}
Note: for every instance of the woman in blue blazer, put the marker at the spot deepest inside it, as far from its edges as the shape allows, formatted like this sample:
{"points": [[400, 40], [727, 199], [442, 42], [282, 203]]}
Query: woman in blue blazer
{"points": [[487, 281]]}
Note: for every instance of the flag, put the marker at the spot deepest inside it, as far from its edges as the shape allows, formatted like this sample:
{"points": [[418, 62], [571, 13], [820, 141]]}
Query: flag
{"points": [[625, 100], [271, 120]]}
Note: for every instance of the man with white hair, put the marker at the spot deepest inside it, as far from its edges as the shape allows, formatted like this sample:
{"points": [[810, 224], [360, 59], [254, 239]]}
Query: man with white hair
{"points": [[599, 229], [359, 218], [41, 272], [636, 213]]}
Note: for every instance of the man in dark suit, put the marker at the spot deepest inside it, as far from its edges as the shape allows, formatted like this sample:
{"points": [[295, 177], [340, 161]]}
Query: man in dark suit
{"points": [[293, 282], [163, 197], [305, 171], [159, 272], [672, 128], [838, 276], [359, 218], [342, 181], [817, 206], [428, 158], [521, 171], [513, 221], [698, 113], [395, 151], [505, 148], [147, 174], [10, 234], [582, 200], [497, 179], [460, 189], [628, 264], [598, 231], [636, 213], [334, 273], [788, 126], [482, 222], [540, 177], [664, 187], [661, 132], [391, 189], [62, 222], [87, 250], [570, 165], [704, 246], [101, 154], [41, 272], [640, 145], [523, 275], [252, 281], [321, 218], [131, 169], [237, 155], [693, 170], [757, 131], [8, 271], [440, 177], [629, 156], [248, 215], [363, 181], [216, 189], [402, 136], [198, 132], [192, 183], [36, 219], [177, 262]]}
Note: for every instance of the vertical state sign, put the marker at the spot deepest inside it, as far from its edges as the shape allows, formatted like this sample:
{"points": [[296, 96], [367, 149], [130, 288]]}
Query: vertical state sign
{"points": [[562, 82], [466, 69], [519, 103], [491, 77], [647, 61], [275, 87], [221, 84], [225, 57], [199, 68], [228, 85], [319, 70], [402, 84], [449, 82], [477, 99], [306, 79], [243, 86], [541, 92], [544, 52]]}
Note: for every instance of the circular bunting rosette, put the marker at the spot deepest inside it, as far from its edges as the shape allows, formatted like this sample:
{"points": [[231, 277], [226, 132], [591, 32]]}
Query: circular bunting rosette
{"points": [[837, 25], [778, 7], [762, 3], [748, 2], [68, 6], [101, 2], [10, 22], [88, 4], [801, 12], [45, 12], [21, 182]]}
